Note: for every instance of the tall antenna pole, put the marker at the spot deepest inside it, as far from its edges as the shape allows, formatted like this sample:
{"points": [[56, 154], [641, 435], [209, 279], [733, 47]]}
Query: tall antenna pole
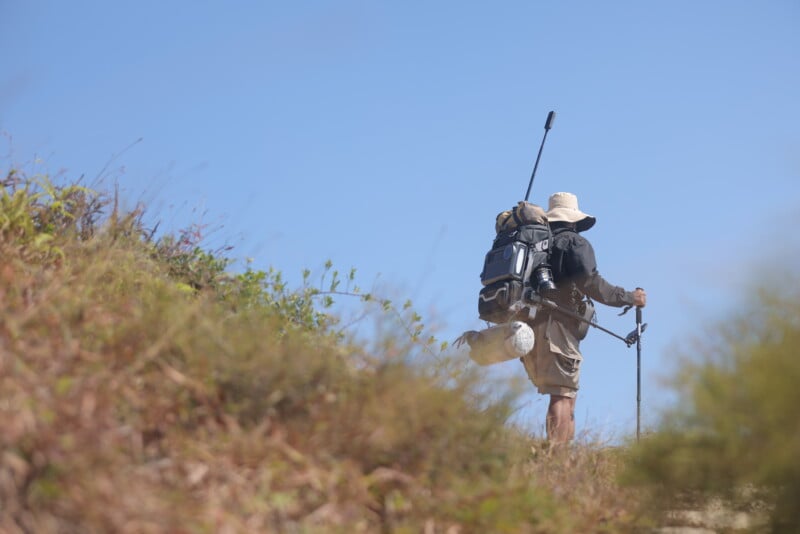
{"points": [[547, 125]]}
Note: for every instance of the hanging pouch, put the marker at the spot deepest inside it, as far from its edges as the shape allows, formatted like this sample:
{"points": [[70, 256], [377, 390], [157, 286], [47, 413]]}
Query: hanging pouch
{"points": [[587, 311]]}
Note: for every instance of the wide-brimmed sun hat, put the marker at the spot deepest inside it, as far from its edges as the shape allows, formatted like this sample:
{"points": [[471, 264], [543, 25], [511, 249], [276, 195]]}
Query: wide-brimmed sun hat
{"points": [[563, 207]]}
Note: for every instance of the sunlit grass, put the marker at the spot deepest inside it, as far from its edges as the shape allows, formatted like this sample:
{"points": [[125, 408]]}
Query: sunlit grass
{"points": [[144, 388]]}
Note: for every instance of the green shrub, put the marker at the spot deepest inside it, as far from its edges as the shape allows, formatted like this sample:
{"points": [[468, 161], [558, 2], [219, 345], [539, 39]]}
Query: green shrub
{"points": [[736, 432], [33, 211]]}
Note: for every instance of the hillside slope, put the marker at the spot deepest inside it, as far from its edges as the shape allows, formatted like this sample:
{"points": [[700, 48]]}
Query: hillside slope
{"points": [[144, 389]]}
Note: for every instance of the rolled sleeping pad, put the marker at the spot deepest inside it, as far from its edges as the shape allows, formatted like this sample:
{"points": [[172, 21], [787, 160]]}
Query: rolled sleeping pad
{"points": [[500, 343]]}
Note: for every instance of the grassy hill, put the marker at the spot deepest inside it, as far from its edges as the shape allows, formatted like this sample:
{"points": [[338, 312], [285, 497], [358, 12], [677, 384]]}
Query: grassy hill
{"points": [[143, 388], [146, 389]]}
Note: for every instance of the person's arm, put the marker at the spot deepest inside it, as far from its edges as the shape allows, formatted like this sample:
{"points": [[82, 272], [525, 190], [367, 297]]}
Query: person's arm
{"points": [[597, 288], [583, 265]]}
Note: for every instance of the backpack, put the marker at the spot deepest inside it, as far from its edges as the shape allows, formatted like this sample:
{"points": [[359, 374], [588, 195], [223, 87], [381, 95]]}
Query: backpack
{"points": [[517, 263]]}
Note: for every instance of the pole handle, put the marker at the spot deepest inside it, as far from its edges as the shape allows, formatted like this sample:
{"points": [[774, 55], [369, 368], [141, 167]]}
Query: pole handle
{"points": [[639, 312]]}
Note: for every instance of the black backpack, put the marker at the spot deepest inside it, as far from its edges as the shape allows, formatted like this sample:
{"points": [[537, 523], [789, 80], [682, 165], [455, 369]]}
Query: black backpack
{"points": [[517, 263]]}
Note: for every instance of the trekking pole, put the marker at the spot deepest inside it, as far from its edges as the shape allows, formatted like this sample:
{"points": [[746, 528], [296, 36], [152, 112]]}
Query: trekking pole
{"points": [[629, 340], [636, 337], [547, 125], [639, 330]]}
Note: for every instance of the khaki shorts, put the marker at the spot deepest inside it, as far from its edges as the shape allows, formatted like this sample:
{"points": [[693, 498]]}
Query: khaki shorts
{"points": [[554, 363]]}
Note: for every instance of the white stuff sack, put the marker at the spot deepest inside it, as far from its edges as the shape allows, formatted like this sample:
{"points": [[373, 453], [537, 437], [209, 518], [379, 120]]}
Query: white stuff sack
{"points": [[498, 343]]}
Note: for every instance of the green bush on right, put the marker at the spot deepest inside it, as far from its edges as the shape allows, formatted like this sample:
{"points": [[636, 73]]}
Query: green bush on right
{"points": [[735, 432]]}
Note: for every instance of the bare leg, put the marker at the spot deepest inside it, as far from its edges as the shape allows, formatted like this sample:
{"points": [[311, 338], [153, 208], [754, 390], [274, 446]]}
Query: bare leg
{"points": [[560, 419]]}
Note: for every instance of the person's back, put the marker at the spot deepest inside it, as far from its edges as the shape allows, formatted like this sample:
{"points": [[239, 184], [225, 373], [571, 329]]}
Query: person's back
{"points": [[575, 273]]}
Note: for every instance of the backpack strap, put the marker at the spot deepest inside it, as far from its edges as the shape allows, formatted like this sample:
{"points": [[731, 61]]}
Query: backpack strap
{"points": [[517, 218], [556, 257], [562, 230]]}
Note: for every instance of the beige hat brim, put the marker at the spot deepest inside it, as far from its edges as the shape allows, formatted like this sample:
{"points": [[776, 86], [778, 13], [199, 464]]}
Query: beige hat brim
{"points": [[582, 221]]}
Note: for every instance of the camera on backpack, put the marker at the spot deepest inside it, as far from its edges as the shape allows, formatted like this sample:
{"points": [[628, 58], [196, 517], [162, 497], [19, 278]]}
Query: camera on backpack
{"points": [[545, 285]]}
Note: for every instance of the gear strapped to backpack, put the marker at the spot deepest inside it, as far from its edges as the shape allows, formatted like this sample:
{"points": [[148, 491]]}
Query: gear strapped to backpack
{"points": [[517, 263]]}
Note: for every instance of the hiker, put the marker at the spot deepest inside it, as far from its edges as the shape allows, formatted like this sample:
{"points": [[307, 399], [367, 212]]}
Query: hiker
{"points": [[554, 363]]}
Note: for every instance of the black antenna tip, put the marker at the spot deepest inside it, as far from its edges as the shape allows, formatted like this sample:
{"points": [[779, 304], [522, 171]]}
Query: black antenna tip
{"points": [[550, 118]]}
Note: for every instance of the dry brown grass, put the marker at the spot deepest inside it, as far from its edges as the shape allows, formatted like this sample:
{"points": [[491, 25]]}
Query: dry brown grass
{"points": [[134, 399]]}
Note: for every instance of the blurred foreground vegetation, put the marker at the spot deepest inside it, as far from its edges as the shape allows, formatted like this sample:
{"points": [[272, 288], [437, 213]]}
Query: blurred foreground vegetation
{"points": [[736, 432], [143, 388]]}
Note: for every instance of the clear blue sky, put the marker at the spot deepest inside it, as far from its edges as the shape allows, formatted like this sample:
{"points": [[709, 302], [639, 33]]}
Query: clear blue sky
{"points": [[387, 135]]}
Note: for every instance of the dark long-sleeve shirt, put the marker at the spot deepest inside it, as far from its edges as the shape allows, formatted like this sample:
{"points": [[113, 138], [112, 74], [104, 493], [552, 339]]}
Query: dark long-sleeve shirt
{"points": [[575, 273]]}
